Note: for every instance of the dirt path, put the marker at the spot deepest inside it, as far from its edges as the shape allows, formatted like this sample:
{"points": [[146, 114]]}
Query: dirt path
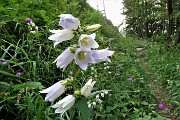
{"points": [[159, 92]]}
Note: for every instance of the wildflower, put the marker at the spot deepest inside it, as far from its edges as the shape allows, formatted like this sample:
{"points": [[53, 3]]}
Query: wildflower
{"points": [[87, 88], [102, 55], [99, 101], [70, 73], [92, 68], [64, 104], [94, 104], [106, 92], [28, 20], [102, 94], [87, 41], [59, 36], [83, 57], [161, 106], [63, 60], [93, 27], [89, 105], [130, 79], [31, 25], [3, 62], [54, 91], [67, 21], [18, 74], [117, 74], [97, 96], [139, 49]]}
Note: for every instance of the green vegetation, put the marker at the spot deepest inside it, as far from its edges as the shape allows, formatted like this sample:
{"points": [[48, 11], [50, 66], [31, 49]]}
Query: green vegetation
{"points": [[154, 19], [26, 67]]}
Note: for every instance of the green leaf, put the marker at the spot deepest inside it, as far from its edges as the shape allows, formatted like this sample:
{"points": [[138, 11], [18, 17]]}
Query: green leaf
{"points": [[144, 103], [30, 85], [160, 118], [7, 73], [82, 106], [4, 86]]}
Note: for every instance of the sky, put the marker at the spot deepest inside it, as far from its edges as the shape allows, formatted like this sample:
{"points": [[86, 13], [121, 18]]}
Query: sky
{"points": [[113, 10]]}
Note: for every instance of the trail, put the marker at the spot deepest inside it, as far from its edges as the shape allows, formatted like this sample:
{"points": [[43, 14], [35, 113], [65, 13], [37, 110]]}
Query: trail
{"points": [[160, 93]]}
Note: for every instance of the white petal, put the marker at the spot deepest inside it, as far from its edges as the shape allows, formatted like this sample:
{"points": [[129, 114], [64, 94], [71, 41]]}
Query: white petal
{"points": [[83, 65], [93, 36], [69, 100], [89, 82], [56, 43], [93, 83], [64, 104], [54, 91], [60, 110], [87, 88], [64, 59], [55, 105], [54, 94], [67, 21], [94, 44], [102, 55], [54, 37], [87, 41], [47, 90], [56, 31], [60, 36]]}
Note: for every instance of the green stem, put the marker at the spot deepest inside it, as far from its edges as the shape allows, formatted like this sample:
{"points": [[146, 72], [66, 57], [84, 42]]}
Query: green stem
{"points": [[74, 78]]}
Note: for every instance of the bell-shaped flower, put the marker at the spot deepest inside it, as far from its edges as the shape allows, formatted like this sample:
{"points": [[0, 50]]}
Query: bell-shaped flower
{"points": [[67, 21], [63, 60], [87, 41], [93, 27], [59, 36], [82, 57], [64, 104], [102, 55], [87, 88], [54, 91]]}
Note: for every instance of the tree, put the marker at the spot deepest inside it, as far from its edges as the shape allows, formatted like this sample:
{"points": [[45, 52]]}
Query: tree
{"points": [[170, 22]]}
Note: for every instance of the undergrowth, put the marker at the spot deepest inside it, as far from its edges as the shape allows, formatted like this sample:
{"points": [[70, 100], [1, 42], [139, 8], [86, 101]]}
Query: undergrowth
{"points": [[32, 55]]}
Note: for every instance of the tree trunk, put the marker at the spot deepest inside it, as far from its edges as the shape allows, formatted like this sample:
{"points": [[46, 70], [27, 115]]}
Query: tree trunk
{"points": [[146, 20], [170, 24], [178, 26]]}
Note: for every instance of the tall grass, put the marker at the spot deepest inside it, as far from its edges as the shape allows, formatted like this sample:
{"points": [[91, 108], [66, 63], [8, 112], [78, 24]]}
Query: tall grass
{"points": [[32, 55]]}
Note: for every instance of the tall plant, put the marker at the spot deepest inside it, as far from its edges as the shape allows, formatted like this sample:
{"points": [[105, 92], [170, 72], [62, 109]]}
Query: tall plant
{"points": [[81, 54]]}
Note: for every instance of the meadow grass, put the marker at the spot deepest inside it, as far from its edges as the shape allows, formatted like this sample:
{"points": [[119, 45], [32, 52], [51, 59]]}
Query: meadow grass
{"points": [[32, 55]]}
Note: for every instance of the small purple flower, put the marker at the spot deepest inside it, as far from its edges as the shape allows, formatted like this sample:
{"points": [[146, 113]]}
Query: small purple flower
{"points": [[161, 106], [70, 73], [28, 20], [118, 74], [3, 63], [18, 74], [130, 79]]}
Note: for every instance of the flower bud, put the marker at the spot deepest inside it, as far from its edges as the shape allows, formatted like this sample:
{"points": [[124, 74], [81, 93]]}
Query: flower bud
{"points": [[102, 94], [89, 105], [77, 93], [97, 96], [93, 27], [87, 88], [28, 20]]}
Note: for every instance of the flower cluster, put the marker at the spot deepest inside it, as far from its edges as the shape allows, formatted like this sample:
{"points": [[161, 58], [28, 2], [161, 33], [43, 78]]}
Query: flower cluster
{"points": [[98, 99], [83, 53], [31, 25]]}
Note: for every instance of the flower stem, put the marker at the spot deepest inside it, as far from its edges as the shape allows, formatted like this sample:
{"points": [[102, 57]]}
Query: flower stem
{"points": [[74, 78]]}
